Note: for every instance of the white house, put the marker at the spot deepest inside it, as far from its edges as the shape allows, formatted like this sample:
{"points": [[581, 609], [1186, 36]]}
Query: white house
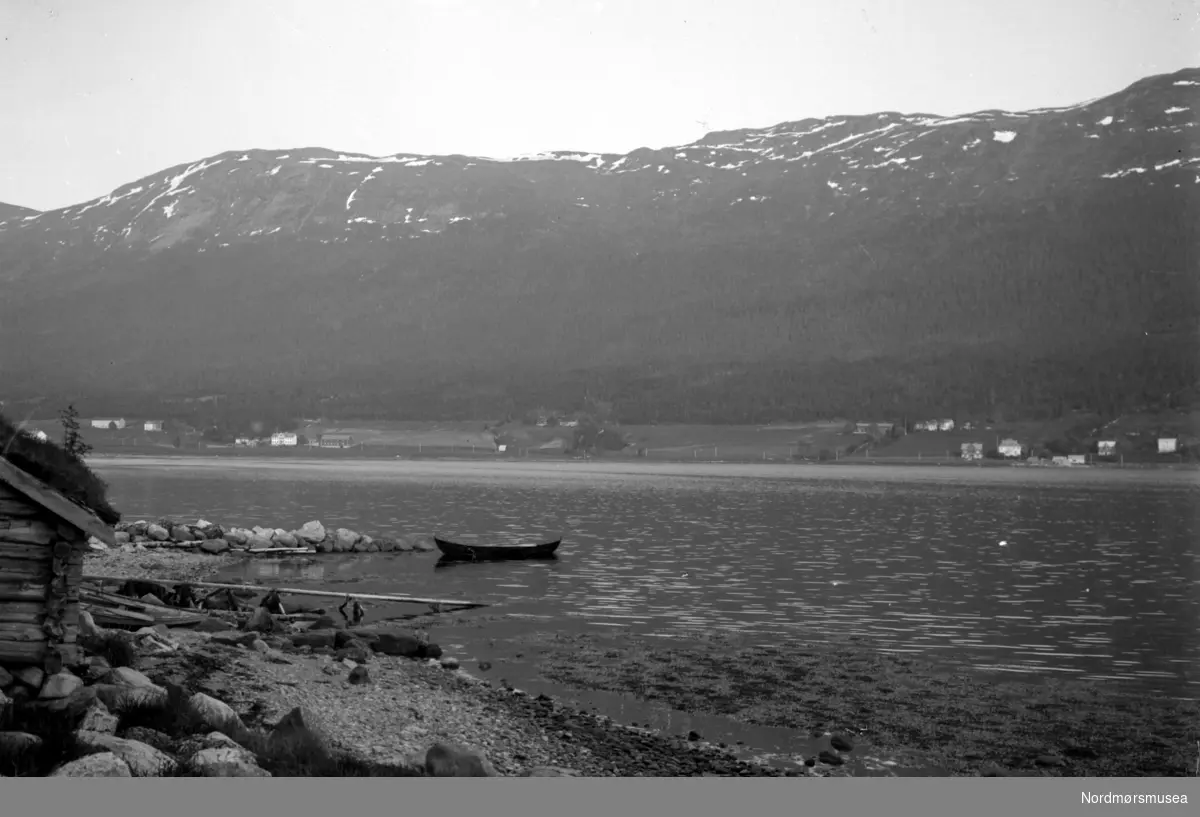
{"points": [[502, 447], [108, 422], [1077, 459], [1009, 448], [926, 425], [246, 441], [945, 425], [972, 451], [36, 433], [1106, 448], [284, 438], [1168, 445], [152, 425]]}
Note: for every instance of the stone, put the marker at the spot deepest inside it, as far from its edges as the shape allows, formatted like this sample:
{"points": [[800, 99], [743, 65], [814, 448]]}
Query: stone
{"points": [[324, 546], [830, 758], [122, 537], [841, 742], [355, 651], [311, 532], [407, 646], [143, 760], [359, 675], [98, 719], [694, 736], [321, 638], [103, 764], [449, 662], [214, 547], [344, 540], [31, 677], [215, 714], [260, 621], [431, 651], [12, 743], [443, 760], [422, 543], [303, 725], [150, 737], [226, 761], [158, 533], [386, 545], [87, 626], [128, 677], [284, 539], [60, 685], [238, 535], [371, 547], [181, 534]]}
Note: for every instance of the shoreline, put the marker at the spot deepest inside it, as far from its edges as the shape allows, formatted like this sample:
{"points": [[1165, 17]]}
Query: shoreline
{"points": [[448, 468], [899, 715]]}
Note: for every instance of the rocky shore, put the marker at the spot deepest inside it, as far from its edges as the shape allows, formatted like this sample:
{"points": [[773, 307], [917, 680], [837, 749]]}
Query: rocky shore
{"points": [[280, 699], [212, 539]]}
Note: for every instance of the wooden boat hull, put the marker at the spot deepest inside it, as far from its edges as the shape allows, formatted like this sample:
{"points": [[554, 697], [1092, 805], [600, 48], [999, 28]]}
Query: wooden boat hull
{"points": [[463, 552]]}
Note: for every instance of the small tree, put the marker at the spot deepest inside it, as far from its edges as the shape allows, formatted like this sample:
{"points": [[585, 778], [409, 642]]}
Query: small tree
{"points": [[73, 443]]}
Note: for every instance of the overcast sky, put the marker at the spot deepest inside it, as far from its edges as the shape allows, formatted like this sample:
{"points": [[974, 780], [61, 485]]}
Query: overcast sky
{"points": [[98, 93]]}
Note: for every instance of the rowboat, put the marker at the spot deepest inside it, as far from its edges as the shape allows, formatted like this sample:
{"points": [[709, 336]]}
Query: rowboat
{"points": [[480, 551]]}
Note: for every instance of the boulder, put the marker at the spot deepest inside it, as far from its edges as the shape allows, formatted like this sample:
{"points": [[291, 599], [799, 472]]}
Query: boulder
{"points": [[311, 532], [214, 532], [355, 650], [179, 533], [386, 544], [214, 547], [138, 528], [128, 677], [443, 760], [401, 644], [344, 540], [257, 542], [449, 662], [266, 533], [12, 743], [325, 545], [87, 626], [226, 761], [215, 714], [97, 667], [260, 621], [239, 535], [123, 698], [421, 542], [143, 760], [150, 737], [431, 651], [122, 537], [841, 742], [301, 725], [284, 539], [60, 685], [31, 677], [98, 719], [103, 764], [158, 533]]}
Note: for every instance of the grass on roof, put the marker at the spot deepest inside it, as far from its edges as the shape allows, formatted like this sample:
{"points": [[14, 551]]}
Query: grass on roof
{"points": [[50, 463]]}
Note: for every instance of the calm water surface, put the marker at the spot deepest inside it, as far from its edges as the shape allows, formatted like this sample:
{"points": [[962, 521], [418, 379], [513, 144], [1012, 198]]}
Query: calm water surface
{"points": [[1089, 581]]}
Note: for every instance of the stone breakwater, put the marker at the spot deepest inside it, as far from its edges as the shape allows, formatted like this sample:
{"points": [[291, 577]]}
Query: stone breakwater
{"points": [[213, 539]]}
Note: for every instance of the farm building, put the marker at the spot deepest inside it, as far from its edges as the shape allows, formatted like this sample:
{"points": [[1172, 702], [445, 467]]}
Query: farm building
{"points": [[336, 440], [152, 425], [43, 536], [1009, 447], [1168, 445], [108, 422], [1077, 459], [284, 438], [972, 451], [245, 441], [1106, 448], [945, 425]]}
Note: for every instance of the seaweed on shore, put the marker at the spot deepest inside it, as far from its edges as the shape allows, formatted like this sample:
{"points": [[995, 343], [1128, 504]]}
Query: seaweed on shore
{"points": [[954, 719]]}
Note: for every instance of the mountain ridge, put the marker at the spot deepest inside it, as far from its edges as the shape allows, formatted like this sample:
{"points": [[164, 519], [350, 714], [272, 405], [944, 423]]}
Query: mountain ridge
{"points": [[866, 243]]}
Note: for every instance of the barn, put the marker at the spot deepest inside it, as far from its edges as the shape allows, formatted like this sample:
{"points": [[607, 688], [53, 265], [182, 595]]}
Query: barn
{"points": [[43, 538]]}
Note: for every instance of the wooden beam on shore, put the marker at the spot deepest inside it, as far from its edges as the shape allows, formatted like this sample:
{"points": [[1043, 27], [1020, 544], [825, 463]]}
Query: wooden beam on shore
{"points": [[300, 591]]}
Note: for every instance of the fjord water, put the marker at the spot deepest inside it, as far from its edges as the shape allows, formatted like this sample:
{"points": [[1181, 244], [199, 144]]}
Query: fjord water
{"points": [[1024, 578]]}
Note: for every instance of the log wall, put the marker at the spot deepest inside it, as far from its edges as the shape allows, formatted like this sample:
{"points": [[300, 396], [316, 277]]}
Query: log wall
{"points": [[41, 568]]}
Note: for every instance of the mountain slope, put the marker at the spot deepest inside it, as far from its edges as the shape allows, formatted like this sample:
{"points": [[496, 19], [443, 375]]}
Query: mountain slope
{"points": [[837, 265]]}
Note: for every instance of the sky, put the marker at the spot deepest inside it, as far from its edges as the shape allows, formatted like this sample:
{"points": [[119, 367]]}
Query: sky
{"points": [[100, 93]]}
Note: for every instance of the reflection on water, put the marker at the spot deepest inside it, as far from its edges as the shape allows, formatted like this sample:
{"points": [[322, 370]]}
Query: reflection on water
{"points": [[1097, 584]]}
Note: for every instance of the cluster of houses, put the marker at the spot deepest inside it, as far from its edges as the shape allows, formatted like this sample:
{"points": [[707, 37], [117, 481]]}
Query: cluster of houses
{"points": [[120, 422], [290, 438]]}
